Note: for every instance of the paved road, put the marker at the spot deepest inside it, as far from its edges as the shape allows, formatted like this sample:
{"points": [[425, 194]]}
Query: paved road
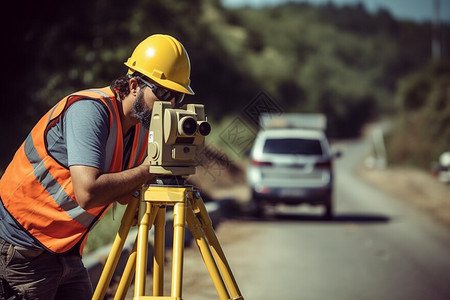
{"points": [[375, 248]]}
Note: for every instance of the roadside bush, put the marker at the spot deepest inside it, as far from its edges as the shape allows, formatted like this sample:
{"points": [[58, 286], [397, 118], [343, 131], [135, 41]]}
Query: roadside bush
{"points": [[422, 131]]}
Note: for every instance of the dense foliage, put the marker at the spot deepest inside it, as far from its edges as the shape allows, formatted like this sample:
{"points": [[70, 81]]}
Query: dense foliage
{"points": [[341, 61], [422, 129]]}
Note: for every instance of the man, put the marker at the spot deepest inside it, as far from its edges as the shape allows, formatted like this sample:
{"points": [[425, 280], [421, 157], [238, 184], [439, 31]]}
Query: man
{"points": [[86, 153]]}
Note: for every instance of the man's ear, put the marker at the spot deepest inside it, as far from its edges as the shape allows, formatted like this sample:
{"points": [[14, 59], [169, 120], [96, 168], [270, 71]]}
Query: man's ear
{"points": [[133, 84]]}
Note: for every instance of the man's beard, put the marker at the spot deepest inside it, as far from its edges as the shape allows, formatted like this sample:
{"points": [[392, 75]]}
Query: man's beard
{"points": [[141, 111]]}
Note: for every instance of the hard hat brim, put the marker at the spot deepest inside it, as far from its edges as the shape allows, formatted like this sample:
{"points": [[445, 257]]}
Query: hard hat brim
{"points": [[172, 85]]}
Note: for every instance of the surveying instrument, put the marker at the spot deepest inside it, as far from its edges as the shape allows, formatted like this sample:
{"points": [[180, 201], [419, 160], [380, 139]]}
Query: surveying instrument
{"points": [[176, 137]]}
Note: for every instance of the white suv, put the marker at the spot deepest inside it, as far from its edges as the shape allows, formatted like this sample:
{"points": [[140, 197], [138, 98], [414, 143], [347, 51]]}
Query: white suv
{"points": [[291, 166]]}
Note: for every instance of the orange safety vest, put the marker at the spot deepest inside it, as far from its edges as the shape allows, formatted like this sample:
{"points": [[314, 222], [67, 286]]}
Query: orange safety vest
{"points": [[37, 190]]}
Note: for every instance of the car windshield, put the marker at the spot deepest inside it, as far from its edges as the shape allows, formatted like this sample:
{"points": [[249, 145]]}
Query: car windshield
{"points": [[293, 146]]}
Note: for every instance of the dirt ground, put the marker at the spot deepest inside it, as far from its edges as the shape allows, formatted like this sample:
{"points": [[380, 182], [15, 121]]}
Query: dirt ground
{"points": [[414, 186], [219, 177]]}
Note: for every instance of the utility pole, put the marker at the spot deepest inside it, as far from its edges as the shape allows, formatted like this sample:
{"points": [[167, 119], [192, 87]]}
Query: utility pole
{"points": [[436, 31]]}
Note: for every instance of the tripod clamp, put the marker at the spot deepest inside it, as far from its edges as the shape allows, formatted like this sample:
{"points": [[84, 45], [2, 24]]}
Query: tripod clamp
{"points": [[170, 181]]}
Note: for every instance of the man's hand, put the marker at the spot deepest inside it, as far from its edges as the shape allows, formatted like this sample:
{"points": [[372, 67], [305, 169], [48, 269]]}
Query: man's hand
{"points": [[93, 188]]}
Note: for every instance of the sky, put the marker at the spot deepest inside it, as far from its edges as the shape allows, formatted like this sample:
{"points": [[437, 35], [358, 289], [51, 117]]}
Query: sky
{"points": [[415, 10]]}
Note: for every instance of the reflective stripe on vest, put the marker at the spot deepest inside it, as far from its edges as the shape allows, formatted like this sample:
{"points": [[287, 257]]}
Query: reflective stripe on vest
{"points": [[53, 188], [37, 191]]}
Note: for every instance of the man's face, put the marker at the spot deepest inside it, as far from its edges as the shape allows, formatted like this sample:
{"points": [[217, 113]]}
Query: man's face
{"points": [[141, 111], [143, 105]]}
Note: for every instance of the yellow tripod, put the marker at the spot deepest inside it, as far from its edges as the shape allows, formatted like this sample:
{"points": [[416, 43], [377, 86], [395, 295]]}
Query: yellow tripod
{"points": [[188, 208]]}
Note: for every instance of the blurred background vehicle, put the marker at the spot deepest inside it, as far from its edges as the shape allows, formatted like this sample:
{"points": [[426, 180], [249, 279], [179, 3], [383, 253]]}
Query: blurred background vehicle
{"points": [[291, 163], [442, 168]]}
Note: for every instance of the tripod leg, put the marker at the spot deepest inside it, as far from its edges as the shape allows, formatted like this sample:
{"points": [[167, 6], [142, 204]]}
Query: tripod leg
{"points": [[113, 258], [200, 209], [127, 275], [179, 224], [145, 224], [159, 248], [196, 228]]}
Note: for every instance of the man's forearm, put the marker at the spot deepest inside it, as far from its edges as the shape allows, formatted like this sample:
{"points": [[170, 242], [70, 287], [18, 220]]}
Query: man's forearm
{"points": [[94, 189]]}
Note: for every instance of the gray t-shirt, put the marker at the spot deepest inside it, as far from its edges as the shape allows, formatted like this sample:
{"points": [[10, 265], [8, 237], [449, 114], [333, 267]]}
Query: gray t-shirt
{"points": [[79, 138]]}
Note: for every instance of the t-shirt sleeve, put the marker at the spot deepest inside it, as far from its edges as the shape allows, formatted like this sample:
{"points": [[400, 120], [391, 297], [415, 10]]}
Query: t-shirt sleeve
{"points": [[86, 125]]}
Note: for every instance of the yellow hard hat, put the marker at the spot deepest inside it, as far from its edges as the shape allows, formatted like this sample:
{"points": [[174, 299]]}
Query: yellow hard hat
{"points": [[164, 60]]}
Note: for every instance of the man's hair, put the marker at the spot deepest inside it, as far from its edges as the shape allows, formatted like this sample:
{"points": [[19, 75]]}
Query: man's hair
{"points": [[122, 86]]}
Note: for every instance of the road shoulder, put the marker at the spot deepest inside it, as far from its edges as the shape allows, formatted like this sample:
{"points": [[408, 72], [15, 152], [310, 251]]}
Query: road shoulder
{"points": [[413, 186]]}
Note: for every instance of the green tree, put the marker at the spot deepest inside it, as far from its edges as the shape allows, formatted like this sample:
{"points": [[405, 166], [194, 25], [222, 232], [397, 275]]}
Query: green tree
{"points": [[422, 131]]}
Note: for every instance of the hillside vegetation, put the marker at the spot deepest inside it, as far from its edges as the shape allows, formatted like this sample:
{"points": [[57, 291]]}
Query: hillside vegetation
{"points": [[422, 129], [341, 61]]}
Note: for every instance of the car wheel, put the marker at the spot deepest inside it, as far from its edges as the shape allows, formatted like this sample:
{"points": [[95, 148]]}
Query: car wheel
{"points": [[259, 211], [328, 209], [257, 207]]}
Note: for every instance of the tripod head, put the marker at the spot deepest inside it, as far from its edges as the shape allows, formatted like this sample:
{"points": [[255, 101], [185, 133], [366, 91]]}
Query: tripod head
{"points": [[170, 181], [176, 137]]}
